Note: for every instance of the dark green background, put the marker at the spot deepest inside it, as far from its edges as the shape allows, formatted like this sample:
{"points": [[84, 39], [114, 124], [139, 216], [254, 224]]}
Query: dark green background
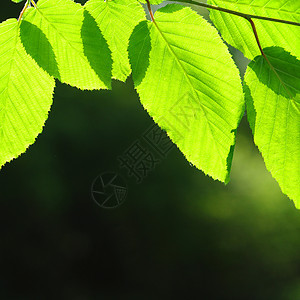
{"points": [[178, 234]]}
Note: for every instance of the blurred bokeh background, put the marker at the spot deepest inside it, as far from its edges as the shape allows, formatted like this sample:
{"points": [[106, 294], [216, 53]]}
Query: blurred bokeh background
{"points": [[178, 234]]}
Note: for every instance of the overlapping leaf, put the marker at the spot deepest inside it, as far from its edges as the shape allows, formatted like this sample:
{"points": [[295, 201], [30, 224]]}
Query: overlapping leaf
{"points": [[189, 84], [67, 42], [117, 19], [25, 95], [238, 33], [273, 104]]}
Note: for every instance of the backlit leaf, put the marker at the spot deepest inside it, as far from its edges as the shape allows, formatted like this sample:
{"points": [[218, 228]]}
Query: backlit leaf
{"points": [[117, 19], [189, 84], [67, 43], [25, 95]]}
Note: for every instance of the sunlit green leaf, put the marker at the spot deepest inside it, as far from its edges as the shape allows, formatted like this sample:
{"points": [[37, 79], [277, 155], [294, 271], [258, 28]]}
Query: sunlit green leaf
{"points": [[25, 95], [189, 84]]}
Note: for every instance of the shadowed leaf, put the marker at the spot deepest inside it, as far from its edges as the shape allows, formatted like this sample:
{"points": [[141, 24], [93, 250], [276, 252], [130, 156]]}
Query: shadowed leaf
{"points": [[273, 107]]}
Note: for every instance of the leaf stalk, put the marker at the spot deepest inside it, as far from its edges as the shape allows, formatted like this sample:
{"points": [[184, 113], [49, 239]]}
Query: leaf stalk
{"points": [[27, 3], [150, 11]]}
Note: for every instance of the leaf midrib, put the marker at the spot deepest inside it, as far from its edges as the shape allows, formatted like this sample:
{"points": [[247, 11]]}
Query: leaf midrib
{"points": [[190, 83]]}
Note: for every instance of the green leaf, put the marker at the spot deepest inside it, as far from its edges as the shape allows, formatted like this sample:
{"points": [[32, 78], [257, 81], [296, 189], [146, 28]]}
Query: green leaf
{"points": [[17, 1], [189, 84], [67, 43], [237, 31], [117, 19], [25, 95], [273, 107]]}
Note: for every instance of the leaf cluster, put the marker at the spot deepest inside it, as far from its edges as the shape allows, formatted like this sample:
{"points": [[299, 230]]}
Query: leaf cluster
{"points": [[181, 67]]}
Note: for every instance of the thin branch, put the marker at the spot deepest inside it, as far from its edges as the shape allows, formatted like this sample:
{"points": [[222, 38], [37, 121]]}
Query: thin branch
{"points": [[243, 15]]}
